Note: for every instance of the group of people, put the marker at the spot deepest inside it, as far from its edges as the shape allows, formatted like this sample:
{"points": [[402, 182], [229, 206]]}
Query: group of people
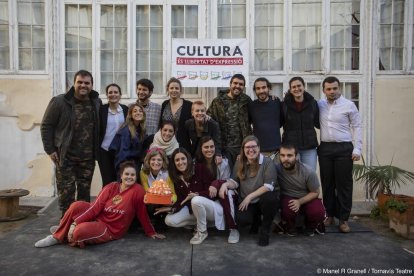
{"points": [[227, 166]]}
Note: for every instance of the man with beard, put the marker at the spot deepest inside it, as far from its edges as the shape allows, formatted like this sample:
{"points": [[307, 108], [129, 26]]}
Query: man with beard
{"points": [[70, 136], [299, 188], [265, 117], [152, 110], [230, 110]]}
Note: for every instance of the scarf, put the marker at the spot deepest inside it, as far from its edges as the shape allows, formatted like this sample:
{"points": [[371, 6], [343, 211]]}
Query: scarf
{"points": [[168, 147]]}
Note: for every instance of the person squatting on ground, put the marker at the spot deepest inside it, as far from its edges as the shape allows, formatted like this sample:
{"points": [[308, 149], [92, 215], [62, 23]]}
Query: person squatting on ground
{"points": [[165, 138], [107, 218], [299, 189], [264, 113], [230, 110], [341, 144], [155, 168], [195, 203], [111, 116], [70, 136], [254, 176], [206, 154], [300, 117]]}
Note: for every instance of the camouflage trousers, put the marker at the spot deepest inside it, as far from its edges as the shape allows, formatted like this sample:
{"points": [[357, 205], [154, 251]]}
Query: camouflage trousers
{"points": [[73, 182]]}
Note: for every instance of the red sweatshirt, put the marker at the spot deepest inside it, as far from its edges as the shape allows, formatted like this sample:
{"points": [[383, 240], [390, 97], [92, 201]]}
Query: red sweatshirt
{"points": [[117, 209]]}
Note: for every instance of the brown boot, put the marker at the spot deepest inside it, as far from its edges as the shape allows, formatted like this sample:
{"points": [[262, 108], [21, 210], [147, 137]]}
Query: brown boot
{"points": [[344, 227], [329, 221]]}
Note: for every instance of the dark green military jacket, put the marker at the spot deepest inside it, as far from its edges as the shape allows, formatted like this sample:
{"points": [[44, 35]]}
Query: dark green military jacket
{"points": [[232, 116]]}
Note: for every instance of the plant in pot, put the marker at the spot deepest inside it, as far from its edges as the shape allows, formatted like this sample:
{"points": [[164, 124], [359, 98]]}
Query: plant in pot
{"points": [[382, 180], [401, 216]]}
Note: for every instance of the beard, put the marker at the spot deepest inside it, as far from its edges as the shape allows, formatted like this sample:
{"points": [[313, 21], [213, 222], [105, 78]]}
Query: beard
{"points": [[288, 165]]}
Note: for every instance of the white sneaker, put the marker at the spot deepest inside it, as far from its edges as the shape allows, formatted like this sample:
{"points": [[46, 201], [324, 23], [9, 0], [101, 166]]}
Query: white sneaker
{"points": [[234, 236], [53, 229], [199, 237], [48, 241]]}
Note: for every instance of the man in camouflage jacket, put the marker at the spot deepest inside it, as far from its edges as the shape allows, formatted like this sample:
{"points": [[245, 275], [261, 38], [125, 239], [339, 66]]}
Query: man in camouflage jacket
{"points": [[69, 131], [230, 110]]}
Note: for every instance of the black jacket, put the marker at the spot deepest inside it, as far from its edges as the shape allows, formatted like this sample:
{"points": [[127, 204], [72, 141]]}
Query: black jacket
{"points": [[299, 127], [210, 128], [57, 125], [184, 116]]}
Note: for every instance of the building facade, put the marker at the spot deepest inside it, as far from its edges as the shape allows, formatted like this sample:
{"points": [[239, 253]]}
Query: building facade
{"points": [[368, 45]]}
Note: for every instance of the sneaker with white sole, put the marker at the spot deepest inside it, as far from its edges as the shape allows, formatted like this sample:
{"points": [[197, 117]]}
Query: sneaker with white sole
{"points": [[199, 237], [234, 236], [48, 241], [53, 229]]}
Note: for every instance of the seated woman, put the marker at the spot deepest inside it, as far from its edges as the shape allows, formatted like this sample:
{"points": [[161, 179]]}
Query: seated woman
{"points": [[195, 194], [155, 168], [106, 219], [254, 176], [206, 154], [130, 140], [165, 138]]}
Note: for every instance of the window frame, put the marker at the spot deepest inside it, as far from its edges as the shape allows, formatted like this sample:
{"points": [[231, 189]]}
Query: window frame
{"points": [[14, 42], [130, 94], [408, 39], [325, 42]]}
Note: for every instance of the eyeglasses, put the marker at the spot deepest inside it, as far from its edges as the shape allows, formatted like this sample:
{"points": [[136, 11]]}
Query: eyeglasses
{"points": [[251, 147]]}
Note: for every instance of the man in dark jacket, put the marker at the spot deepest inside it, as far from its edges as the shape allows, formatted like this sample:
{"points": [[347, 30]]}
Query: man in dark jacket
{"points": [[265, 116], [69, 132], [230, 110]]}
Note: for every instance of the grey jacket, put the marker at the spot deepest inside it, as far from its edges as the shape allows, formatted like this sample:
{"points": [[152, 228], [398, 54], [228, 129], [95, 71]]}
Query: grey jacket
{"points": [[57, 125]]}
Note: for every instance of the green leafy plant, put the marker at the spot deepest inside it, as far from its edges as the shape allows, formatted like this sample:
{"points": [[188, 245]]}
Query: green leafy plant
{"points": [[381, 178], [375, 212], [397, 205]]}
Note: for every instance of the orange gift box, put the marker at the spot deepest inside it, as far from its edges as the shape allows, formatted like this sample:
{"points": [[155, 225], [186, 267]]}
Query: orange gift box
{"points": [[157, 199], [158, 193]]}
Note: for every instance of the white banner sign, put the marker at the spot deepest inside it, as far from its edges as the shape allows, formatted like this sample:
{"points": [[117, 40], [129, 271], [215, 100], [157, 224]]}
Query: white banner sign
{"points": [[209, 62]]}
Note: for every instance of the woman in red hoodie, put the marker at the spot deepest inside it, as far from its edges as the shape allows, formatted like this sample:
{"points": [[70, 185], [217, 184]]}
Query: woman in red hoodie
{"points": [[108, 217]]}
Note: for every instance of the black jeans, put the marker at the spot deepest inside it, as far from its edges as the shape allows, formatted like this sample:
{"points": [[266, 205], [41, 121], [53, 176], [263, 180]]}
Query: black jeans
{"points": [[267, 206], [106, 164], [335, 163]]}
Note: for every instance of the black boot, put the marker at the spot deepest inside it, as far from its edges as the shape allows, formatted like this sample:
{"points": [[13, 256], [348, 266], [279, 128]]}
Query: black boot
{"points": [[264, 237]]}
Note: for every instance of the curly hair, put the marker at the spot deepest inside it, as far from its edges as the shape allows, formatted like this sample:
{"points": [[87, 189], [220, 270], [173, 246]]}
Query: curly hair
{"points": [[146, 167]]}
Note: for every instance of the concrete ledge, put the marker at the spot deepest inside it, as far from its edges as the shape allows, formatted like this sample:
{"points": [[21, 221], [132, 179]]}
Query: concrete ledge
{"points": [[38, 201], [362, 208]]}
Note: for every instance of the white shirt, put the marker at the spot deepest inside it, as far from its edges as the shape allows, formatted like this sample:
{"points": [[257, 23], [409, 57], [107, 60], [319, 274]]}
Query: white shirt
{"points": [[115, 120], [340, 122]]}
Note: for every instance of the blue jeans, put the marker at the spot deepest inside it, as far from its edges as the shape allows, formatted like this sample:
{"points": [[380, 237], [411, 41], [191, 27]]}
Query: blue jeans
{"points": [[309, 157]]}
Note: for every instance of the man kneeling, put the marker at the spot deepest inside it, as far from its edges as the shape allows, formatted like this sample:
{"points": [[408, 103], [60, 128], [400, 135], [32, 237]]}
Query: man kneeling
{"points": [[299, 187]]}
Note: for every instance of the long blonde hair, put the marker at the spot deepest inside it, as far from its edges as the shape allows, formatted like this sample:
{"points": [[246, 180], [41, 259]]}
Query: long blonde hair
{"points": [[242, 167], [131, 125]]}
